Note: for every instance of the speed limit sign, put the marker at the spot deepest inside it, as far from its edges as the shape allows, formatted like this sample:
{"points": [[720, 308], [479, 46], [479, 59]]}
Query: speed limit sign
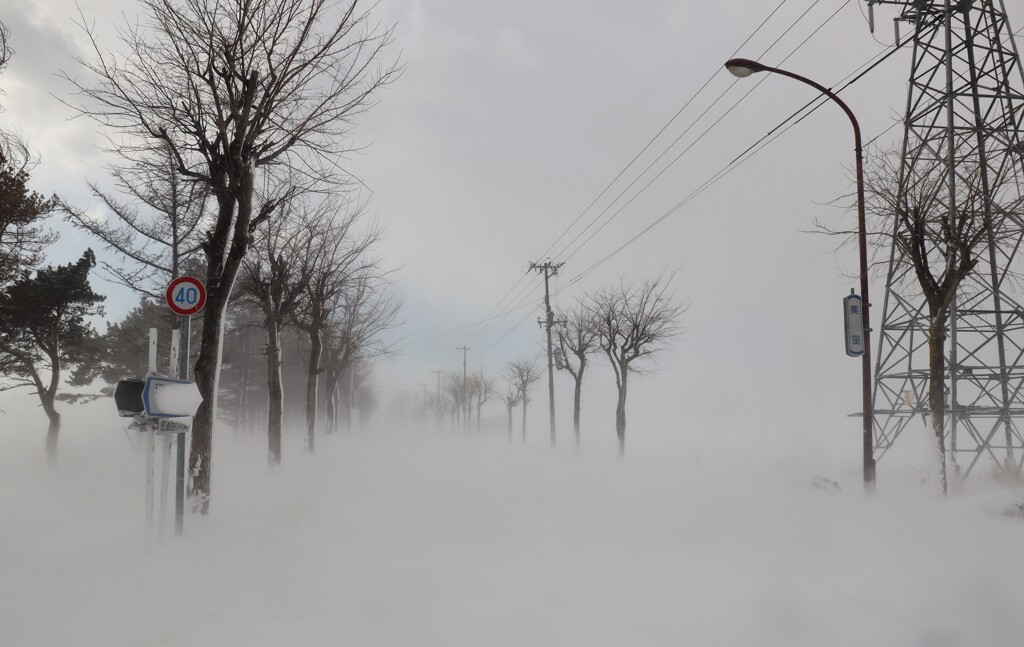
{"points": [[186, 295]]}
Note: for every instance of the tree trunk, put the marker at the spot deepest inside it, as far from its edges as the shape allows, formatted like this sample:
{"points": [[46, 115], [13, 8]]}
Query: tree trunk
{"points": [[312, 383], [620, 416], [222, 269], [207, 374], [347, 392], [275, 391], [52, 429], [524, 421], [936, 389], [331, 401], [479, 405], [242, 412], [509, 407], [576, 409]]}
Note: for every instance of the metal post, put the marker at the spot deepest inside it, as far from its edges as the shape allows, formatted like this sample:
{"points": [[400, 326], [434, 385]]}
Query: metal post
{"points": [[868, 412], [151, 369], [150, 432], [549, 269], [165, 468], [551, 369], [179, 472], [438, 416], [351, 393], [464, 412], [150, 449]]}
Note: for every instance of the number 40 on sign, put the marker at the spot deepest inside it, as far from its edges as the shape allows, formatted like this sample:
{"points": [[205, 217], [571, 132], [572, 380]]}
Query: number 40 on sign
{"points": [[186, 295]]}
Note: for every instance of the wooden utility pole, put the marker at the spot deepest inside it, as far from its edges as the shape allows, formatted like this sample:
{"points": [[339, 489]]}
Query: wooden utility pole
{"points": [[549, 269], [465, 386], [437, 402], [464, 349]]}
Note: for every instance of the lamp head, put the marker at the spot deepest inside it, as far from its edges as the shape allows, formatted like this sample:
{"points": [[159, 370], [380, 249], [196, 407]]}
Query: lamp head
{"points": [[743, 67]]}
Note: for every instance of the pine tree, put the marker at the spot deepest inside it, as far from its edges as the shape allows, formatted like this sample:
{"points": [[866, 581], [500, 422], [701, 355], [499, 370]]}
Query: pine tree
{"points": [[43, 329]]}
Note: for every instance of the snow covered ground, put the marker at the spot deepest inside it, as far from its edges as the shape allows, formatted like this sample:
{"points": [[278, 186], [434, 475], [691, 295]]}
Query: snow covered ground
{"points": [[426, 539]]}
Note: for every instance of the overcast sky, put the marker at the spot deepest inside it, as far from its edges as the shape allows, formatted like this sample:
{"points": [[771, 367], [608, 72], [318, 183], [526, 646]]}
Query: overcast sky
{"points": [[511, 118]]}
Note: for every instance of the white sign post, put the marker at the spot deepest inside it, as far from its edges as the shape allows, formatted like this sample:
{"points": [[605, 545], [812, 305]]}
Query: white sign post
{"points": [[154, 401], [150, 446], [186, 296]]}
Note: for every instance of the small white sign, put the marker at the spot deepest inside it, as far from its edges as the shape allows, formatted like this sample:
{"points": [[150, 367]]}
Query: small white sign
{"points": [[166, 398], [853, 323]]}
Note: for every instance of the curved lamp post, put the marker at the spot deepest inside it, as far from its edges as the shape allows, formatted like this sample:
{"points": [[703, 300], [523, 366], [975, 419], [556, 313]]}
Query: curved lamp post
{"points": [[742, 67]]}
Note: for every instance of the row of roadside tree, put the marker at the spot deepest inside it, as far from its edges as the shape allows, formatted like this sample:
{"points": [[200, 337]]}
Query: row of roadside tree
{"points": [[228, 123]]}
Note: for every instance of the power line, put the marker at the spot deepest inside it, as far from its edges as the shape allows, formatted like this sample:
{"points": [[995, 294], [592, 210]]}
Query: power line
{"points": [[525, 290], [685, 105], [693, 123], [782, 128], [669, 147], [507, 333], [492, 321], [696, 141], [461, 328], [752, 150], [662, 130]]}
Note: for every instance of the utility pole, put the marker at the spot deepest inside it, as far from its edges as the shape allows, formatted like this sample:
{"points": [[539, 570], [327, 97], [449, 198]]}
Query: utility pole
{"points": [[549, 269], [465, 386], [437, 402], [464, 349]]}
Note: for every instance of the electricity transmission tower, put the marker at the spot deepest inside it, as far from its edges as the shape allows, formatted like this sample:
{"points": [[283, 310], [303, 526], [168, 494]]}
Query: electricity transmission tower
{"points": [[963, 120]]}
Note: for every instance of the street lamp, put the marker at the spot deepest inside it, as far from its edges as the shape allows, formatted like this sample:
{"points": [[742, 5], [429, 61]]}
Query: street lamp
{"points": [[742, 68]]}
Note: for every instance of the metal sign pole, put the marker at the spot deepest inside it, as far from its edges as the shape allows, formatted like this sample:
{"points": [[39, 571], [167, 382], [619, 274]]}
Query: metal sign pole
{"points": [[150, 448], [165, 469], [150, 432], [179, 479]]}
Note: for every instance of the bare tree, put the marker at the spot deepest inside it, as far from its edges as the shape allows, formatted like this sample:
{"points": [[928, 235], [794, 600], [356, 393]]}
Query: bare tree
{"points": [[6, 52], [635, 323], [577, 338], [521, 374], [366, 309], [274, 278], [511, 398], [158, 225], [232, 87], [441, 405], [339, 256], [457, 391], [244, 323], [941, 245], [483, 389], [22, 235]]}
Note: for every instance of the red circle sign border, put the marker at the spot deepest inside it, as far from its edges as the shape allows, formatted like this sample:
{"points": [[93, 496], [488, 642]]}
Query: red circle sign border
{"points": [[191, 280]]}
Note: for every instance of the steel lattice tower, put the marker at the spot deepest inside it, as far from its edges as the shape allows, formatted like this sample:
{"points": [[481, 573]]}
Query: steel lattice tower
{"points": [[965, 109]]}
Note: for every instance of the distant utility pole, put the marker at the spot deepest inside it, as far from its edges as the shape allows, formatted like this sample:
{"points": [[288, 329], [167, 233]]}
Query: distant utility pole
{"points": [[549, 269], [464, 349], [437, 402], [465, 389]]}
